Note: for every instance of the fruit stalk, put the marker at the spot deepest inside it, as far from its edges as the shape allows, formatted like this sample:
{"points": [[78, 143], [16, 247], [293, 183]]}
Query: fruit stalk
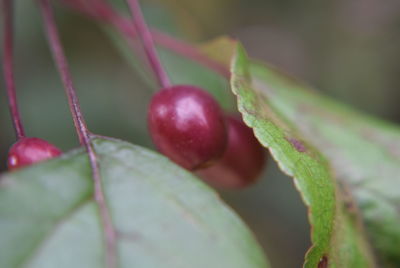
{"points": [[8, 68], [148, 44], [81, 127]]}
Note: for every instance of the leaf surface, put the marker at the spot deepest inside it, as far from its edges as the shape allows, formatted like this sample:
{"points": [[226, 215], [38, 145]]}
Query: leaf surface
{"points": [[337, 237], [359, 152], [163, 216], [363, 153]]}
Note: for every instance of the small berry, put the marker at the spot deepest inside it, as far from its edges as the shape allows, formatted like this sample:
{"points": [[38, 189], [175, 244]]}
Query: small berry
{"points": [[28, 151], [187, 125], [242, 162]]}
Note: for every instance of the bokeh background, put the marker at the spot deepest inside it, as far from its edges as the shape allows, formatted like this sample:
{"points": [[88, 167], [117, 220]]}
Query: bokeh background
{"points": [[347, 49]]}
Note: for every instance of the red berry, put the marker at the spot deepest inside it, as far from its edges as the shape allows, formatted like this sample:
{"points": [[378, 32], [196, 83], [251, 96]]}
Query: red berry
{"points": [[242, 162], [187, 125], [28, 151]]}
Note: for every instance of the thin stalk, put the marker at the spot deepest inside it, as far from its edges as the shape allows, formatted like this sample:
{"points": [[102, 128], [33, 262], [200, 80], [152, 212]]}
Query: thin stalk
{"points": [[178, 46], [8, 62], [81, 128], [103, 12], [148, 44]]}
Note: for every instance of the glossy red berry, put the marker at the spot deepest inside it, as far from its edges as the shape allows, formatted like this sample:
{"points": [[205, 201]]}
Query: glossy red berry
{"points": [[27, 151], [187, 125], [243, 160]]}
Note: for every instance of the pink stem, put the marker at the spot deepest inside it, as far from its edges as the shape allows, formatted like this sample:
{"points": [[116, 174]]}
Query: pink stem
{"points": [[102, 12], [190, 52], [80, 125], [8, 68], [148, 44], [178, 46]]}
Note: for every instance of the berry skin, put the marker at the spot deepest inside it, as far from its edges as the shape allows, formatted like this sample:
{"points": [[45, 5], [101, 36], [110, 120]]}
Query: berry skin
{"points": [[28, 151], [243, 161], [187, 125]]}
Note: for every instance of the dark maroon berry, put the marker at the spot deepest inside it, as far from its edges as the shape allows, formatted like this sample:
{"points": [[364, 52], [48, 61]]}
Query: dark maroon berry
{"points": [[28, 151], [242, 162], [187, 125]]}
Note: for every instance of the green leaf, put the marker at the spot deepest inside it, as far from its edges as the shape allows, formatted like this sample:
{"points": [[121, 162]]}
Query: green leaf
{"points": [[363, 152], [163, 216], [337, 236]]}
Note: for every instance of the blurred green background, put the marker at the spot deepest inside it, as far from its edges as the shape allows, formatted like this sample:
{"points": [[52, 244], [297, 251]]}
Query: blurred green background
{"points": [[346, 49]]}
